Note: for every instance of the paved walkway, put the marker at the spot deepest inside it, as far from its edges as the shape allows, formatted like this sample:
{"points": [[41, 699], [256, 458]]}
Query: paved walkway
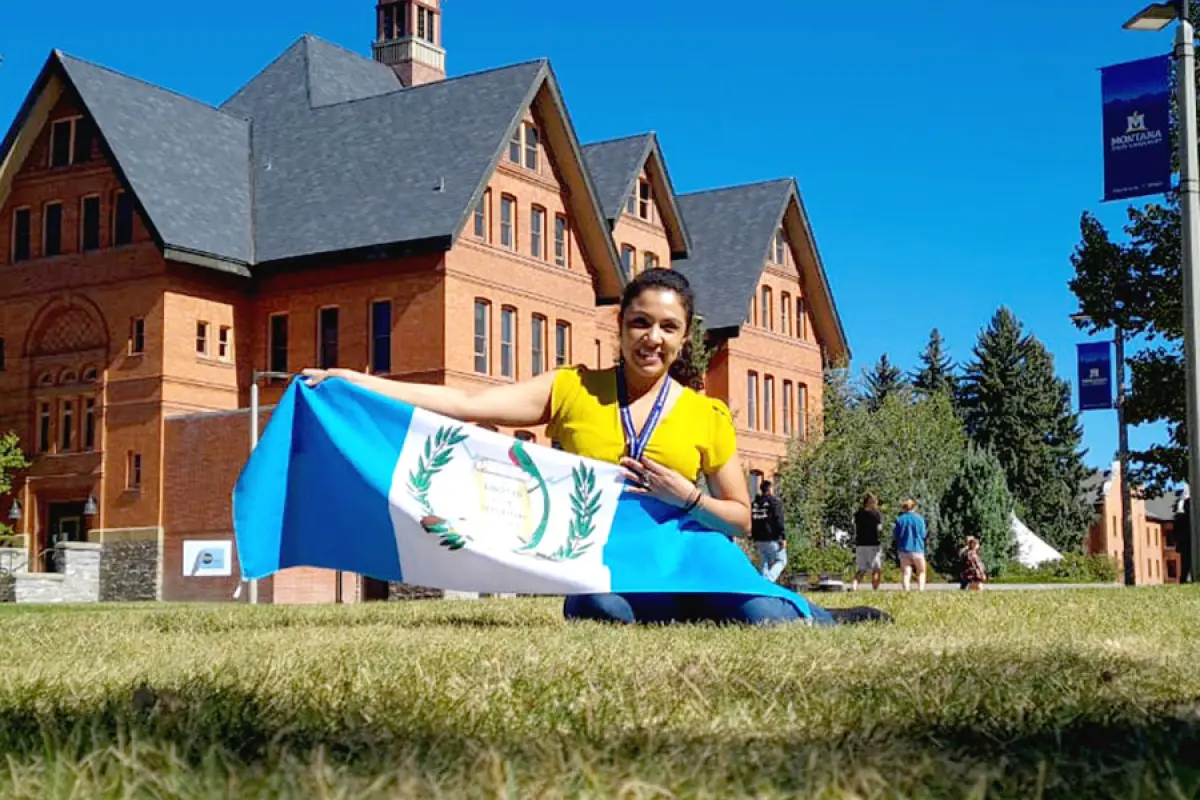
{"points": [[991, 587]]}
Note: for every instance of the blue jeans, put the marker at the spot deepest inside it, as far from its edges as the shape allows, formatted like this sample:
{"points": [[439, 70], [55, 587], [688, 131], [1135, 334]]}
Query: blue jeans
{"points": [[772, 558], [666, 608]]}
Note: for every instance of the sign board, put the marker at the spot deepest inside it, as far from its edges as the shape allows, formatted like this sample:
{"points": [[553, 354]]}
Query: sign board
{"points": [[212, 559]]}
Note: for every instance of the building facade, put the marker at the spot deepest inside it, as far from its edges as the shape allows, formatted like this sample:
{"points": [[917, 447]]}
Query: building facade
{"points": [[337, 210], [1156, 559]]}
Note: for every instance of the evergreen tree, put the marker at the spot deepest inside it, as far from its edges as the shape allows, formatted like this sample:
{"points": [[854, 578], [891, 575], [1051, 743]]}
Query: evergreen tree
{"points": [[937, 370], [1016, 407], [977, 503], [882, 381]]}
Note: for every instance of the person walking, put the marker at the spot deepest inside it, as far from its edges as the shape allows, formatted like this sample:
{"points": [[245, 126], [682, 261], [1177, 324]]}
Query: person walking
{"points": [[972, 573], [868, 554], [767, 531], [909, 537]]}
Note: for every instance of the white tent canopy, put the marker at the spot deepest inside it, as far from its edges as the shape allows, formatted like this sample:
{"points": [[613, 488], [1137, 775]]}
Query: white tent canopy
{"points": [[1031, 550]]}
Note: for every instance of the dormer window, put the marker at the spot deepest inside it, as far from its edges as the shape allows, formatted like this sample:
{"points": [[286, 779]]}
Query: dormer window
{"points": [[644, 200], [780, 248], [70, 142], [524, 141]]}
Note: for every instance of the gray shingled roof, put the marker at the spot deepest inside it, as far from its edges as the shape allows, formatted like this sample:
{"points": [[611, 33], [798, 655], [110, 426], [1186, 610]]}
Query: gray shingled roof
{"points": [[397, 167], [187, 163], [731, 230], [614, 166], [311, 73]]}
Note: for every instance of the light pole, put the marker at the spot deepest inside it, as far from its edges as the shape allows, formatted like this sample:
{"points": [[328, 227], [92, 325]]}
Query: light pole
{"points": [[1156, 17], [1122, 452], [255, 377]]}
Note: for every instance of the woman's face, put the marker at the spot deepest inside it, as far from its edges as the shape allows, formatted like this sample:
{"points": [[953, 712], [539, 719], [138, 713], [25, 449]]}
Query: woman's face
{"points": [[653, 331]]}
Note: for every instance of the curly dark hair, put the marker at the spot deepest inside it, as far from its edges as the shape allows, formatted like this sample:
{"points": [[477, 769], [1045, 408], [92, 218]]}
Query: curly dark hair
{"points": [[684, 368]]}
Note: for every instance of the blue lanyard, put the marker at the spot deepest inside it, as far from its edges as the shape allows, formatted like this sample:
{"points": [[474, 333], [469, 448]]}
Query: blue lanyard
{"points": [[635, 443]]}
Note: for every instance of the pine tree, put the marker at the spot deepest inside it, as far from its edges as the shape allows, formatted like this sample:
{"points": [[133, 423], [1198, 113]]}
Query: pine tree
{"points": [[937, 370], [1015, 406], [882, 381], [977, 503]]}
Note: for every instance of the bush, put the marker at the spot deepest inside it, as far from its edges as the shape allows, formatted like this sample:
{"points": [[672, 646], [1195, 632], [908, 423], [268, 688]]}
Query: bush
{"points": [[1071, 568]]}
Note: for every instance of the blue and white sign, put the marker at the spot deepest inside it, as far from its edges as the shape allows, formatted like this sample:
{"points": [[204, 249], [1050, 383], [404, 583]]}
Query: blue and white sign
{"points": [[1137, 118], [211, 559], [1095, 376], [346, 479]]}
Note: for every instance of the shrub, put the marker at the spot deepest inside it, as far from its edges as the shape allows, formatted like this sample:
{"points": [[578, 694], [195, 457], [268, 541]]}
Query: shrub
{"points": [[1071, 568]]}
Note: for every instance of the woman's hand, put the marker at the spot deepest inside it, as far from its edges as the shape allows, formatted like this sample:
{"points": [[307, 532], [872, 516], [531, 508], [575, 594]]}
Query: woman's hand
{"points": [[313, 376], [654, 480]]}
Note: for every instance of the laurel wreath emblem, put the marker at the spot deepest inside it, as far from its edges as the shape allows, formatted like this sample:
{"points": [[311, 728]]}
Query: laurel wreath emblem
{"points": [[585, 504], [437, 455]]}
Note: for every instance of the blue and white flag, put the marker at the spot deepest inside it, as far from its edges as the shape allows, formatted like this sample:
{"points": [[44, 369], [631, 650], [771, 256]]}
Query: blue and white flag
{"points": [[346, 479]]}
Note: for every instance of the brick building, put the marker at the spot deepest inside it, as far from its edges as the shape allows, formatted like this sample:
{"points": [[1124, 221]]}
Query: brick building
{"points": [[1156, 558], [340, 210]]}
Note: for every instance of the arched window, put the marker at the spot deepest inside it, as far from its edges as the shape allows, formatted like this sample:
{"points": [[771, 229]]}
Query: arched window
{"points": [[46, 380], [90, 375], [68, 376]]}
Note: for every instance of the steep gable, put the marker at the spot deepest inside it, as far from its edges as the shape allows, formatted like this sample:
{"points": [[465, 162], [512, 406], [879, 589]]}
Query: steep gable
{"points": [[187, 164], [734, 228], [616, 166]]}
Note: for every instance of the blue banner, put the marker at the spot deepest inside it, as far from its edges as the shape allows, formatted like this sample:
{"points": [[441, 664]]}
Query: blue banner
{"points": [[1095, 376], [1137, 117]]}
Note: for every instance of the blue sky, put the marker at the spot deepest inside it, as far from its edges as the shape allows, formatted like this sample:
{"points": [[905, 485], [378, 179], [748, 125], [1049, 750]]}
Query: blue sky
{"points": [[944, 157]]}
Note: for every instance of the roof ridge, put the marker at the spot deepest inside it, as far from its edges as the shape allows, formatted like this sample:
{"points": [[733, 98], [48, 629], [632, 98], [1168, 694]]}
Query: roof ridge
{"points": [[61, 55], [404, 89], [737, 186], [643, 135], [270, 64]]}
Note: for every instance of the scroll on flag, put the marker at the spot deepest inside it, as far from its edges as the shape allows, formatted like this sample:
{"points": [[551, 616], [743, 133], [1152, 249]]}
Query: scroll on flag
{"points": [[343, 478]]}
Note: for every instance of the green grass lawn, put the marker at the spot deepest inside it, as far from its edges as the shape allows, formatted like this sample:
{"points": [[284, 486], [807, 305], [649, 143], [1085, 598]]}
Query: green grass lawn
{"points": [[1087, 693]]}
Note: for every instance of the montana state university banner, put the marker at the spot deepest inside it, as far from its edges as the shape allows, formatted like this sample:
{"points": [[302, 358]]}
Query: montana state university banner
{"points": [[1095, 375], [346, 479], [1137, 117]]}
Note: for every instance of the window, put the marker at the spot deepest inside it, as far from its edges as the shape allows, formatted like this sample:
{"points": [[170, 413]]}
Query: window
{"points": [[421, 29], [631, 203], [507, 212], [508, 336], [644, 199], [52, 219], [389, 24], [769, 404], [531, 147], [752, 400], [381, 337], [223, 342], [650, 261], [89, 375], [61, 134], [787, 408], [82, 149], [785, 313], [756, 479], [514, 146], [562, 343], [768, 309], [801, 322], [89, 424], [327, 338], [137, 335], [598, 352], [627, 256], [481, 210], [538, 341], [277, 337], [133, 471], [560, 240], [122, 219], [44, 429], [483, 323], [68, 422], [779, 248], [89, 227], [802, 410], [753, 309], [21, 235], [537, 232], [202, 338]]}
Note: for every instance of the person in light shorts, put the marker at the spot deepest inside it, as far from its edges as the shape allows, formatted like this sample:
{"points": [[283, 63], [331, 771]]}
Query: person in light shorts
{"points": [[909, 536], [868, 555]]}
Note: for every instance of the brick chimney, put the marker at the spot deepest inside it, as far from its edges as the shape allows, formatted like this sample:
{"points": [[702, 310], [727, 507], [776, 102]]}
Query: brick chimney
{"points": [[408, 38]]}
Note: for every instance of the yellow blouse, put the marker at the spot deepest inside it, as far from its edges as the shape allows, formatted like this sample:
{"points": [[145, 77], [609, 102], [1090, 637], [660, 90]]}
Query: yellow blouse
{"points": [[696, 435]]}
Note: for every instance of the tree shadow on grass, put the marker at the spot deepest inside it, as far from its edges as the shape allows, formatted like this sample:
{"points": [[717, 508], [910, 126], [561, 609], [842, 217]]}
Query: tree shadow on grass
{"points": [[1103, 745]]}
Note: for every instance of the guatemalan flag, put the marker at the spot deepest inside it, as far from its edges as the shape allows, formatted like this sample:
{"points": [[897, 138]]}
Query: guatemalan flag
{"points": [[346, 479]]}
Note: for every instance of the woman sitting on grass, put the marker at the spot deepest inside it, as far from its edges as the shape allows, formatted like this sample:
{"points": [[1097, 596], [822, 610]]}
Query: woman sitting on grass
{"points": [[646, 415]]}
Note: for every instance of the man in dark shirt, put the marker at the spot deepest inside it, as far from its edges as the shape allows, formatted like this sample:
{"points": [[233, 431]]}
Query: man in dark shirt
{"points": [[868, 555], [767, 531]]}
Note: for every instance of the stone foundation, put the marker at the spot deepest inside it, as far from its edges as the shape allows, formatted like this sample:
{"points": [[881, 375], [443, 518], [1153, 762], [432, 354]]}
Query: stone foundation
{"points": [[129, 571], [78, 580]]}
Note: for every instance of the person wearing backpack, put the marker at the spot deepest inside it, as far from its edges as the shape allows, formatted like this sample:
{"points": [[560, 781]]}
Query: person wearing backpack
{"points": [[767, 531]]}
